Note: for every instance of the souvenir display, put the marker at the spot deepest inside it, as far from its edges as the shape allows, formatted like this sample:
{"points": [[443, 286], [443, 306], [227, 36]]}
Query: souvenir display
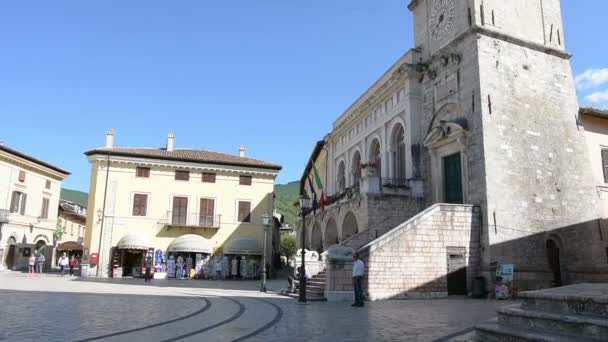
{"points": [[171, 266], [158, 261], [179, 267]]}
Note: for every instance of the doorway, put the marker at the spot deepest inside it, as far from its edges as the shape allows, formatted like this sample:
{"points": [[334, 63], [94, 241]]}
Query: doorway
{"points": [[10, 257], [452, 179], [457, 271], [554, 262]]}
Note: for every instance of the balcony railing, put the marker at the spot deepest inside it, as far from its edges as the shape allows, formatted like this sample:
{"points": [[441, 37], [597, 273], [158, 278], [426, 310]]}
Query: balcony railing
{"points": [[3, 216], [196, 220], [401, 183]]}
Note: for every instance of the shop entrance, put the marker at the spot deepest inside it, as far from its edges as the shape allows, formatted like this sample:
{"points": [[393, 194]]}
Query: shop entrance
{"points": [[132, 261]]}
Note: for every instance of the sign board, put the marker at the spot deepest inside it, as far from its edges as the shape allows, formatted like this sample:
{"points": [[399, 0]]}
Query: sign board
{"points": [[504, 281]]}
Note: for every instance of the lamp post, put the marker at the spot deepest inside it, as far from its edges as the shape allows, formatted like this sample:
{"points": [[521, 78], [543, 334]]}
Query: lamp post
{"points": [[266, 221], [304, 201]]}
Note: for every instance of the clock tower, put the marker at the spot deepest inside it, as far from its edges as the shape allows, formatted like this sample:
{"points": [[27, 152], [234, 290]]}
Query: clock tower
{"points": [[498, 73]]}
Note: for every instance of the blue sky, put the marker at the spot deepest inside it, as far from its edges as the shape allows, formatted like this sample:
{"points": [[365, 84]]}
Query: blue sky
{"points": [[269, 74]]}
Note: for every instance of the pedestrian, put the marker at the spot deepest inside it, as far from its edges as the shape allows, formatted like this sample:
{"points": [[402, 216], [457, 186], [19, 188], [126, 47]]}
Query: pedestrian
{"points": [[72, 264], [63, 262], [31, 266], [148, 265], [358, 272], [40, 260], [218, 270]]}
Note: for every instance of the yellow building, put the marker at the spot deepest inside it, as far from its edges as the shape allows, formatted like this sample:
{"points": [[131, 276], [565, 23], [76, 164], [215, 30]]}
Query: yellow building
{"points": [[186, 204]]}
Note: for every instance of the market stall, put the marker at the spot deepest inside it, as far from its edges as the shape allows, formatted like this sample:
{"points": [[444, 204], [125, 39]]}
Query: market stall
{"points": [[187, 256], [244, 257]]}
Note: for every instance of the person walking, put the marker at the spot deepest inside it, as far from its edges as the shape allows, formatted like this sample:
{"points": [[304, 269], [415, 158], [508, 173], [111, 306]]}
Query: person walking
{"points": [[358, 272], [72, 264], [218, 270], [63, 262], [40, 260], [31, 266], [148, 274]]}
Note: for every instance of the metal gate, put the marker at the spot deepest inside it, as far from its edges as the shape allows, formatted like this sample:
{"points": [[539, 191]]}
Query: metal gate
{"points": [[457, 270]]}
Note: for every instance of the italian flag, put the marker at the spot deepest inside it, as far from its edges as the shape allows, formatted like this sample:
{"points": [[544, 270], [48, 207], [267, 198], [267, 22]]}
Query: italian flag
{"points": [[319, 185]]}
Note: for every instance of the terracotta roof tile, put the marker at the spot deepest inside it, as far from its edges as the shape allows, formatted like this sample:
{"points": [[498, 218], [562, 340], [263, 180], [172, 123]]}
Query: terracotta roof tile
{"points": [[196, 156], [33, 160]]}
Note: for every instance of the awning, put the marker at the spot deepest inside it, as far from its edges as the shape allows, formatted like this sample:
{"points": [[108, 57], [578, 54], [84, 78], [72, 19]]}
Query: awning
{"points": [[243, 246], [133, 241], [70, 246], [190, 243]]}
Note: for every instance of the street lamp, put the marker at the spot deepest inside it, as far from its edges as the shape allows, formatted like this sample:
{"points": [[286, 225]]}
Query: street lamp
{"points": [[304, 202], [266, 221]]}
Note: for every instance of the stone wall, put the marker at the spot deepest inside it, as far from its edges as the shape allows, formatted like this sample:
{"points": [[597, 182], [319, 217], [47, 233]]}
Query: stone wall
{"points": [[411, 260]]}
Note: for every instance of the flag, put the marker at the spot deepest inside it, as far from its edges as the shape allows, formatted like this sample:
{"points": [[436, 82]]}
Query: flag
{"points": [[314, 195], [319, 185]]}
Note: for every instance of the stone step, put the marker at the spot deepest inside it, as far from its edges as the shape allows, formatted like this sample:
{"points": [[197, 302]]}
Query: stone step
{"points": [[576, 325], [310, 298], [317, 282], [315, 289], [491, 331], [582, 299]]}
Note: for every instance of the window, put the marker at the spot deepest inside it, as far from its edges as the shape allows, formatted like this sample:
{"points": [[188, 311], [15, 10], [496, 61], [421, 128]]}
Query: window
{"points": [[72, 229], [182, 175], [376, 157], [245, 180], [45, 208], [180, 210], [140, 204], [356, 171], [48, 184], [143, 172], [22, 176], [398, 152], [206, 212], [208, 177], [341, 177], [18, 202], [244, 211], [605, 164]]}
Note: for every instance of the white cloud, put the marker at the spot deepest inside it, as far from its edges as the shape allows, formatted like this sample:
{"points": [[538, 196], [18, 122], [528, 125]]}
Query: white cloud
{"points": [[598, 97], [592, 78]]}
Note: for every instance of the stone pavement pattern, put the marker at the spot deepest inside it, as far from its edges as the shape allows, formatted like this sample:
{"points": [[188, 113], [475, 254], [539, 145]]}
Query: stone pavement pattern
{"points": [[52, 308]]}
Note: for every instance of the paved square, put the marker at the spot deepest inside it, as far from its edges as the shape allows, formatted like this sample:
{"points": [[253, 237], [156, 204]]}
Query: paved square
{"points": [[53, 308]]}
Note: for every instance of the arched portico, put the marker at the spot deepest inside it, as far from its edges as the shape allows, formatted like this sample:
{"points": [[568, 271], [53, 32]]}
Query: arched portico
{"points": [[350, 226], [316, 238], [331, 233]]}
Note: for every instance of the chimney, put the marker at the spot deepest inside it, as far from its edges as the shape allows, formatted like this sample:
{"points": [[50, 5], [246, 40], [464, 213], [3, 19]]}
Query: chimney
{"points": [[242, 151], [110, 138], [170, 142]]}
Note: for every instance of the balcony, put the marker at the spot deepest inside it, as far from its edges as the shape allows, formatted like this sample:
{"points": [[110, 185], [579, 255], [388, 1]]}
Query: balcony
{"points": [[189, 220], [394, 183], [3, 216]]}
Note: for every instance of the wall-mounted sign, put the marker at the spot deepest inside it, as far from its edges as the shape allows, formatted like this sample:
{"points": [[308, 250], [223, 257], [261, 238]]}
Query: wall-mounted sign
{"points": [[504, 281]]}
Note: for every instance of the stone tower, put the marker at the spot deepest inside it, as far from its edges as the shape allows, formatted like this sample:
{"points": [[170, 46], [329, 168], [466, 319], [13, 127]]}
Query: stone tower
{"points": [[498, 111]]}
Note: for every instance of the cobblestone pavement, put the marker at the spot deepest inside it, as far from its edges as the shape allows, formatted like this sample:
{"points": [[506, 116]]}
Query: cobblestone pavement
{"points": [[53, 308]]}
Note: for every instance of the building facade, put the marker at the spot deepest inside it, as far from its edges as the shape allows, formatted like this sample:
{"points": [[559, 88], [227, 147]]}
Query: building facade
{"points": [[595, 123], [29, 198], [72, 223], [482, 113], [182, 205]]}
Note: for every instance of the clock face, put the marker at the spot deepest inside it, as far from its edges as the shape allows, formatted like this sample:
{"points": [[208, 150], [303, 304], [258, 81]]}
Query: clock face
{"points": [[442, 18]]}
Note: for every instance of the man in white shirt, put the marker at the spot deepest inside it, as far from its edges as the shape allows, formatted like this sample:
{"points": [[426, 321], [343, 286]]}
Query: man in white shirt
{"points": [[358, 272]]}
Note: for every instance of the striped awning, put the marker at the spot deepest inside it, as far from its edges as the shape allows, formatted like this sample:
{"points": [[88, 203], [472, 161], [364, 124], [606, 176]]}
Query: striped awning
{"points": [[133, 241], [243, 246], [190, 243]]}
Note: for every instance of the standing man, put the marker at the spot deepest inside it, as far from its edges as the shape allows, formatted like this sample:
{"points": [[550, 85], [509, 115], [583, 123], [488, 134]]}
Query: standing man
{"points": [[148, 265], [40, 260], [63, 263], [358, 272]]}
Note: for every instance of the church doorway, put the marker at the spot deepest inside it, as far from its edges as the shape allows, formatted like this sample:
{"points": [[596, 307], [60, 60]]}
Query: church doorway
{"points": [[554, 262], [457, 271], [452, 179]]}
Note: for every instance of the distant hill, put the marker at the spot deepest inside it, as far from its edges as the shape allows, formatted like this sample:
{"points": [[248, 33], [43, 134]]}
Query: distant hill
{"points": [[287, 195], [75, 196]]}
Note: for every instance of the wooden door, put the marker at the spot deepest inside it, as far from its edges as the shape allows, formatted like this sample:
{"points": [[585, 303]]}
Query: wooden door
{"points": [[457, 271], [452, 179]]}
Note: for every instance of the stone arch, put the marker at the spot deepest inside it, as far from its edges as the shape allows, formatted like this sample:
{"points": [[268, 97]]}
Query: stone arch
{"points": [[41, 237], [331, 233], [350, 226], [398, 151], [356, 167], [554, 249], [375, 156], [316, 238]]}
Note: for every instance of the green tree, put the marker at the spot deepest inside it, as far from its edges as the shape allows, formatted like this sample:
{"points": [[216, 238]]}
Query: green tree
{"points": [[287, 248]]}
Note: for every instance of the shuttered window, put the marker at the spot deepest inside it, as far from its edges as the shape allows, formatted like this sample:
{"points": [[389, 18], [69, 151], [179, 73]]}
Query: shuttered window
{"points": [[182, 175], [605, 164], [22, 176], [18, 202], [244, 211], [180, 210], [143, 172], [206, 212], [245, 180], [45, 208], [140, 204], [208, 177], [48, 184]]}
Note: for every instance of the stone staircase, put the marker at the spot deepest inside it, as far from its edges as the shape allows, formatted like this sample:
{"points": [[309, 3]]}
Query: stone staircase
{"points": [[315, 288], [571, 313]]}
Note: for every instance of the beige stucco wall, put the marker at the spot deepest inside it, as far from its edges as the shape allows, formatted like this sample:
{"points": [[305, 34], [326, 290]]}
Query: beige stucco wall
{"points": [[29, 228], [596, 134], [161, 187]]}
